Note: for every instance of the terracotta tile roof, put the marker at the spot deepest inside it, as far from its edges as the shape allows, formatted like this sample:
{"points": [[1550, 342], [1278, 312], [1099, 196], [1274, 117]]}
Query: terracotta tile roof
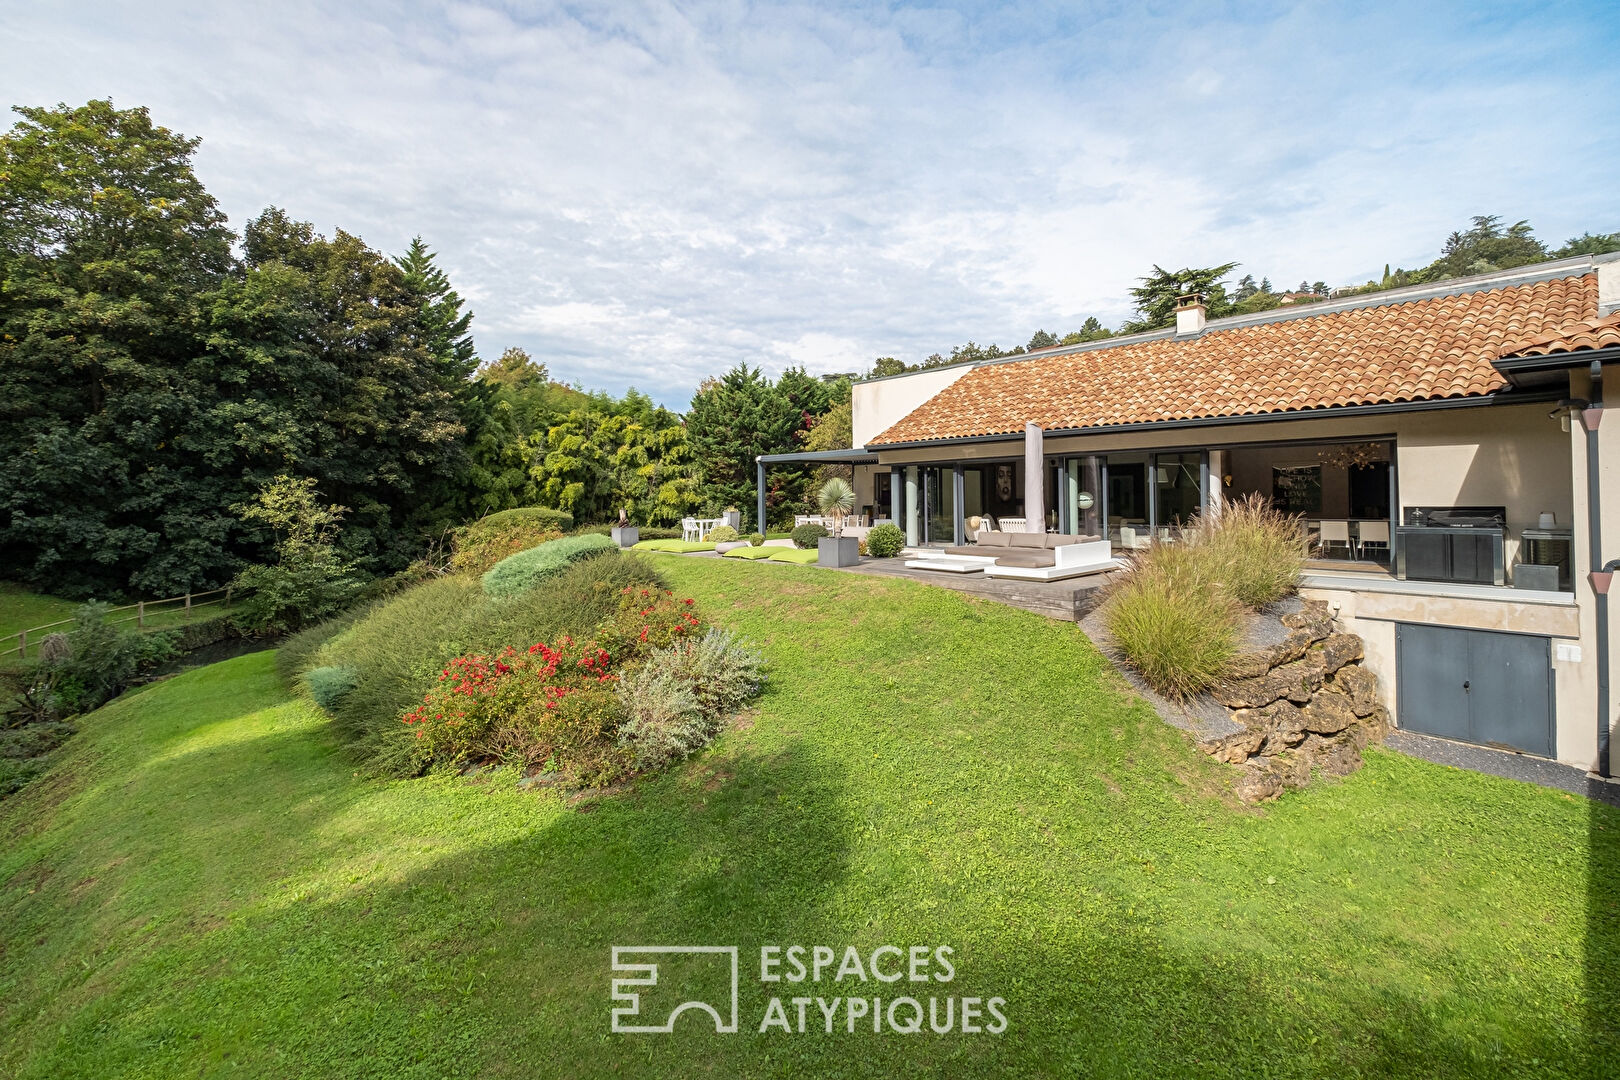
{"points": [[1587, 334], [1435, 347]]}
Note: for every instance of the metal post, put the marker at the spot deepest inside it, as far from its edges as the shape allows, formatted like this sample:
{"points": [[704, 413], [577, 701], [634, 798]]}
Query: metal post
{"points": [[1034, 479], [140, 614], [188, 607], [958, 489], [22, 645], [759, 464]]}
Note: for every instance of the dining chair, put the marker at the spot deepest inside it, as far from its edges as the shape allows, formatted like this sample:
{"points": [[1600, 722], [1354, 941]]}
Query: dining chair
{"points": [[1335, 532], [690, 530], [1372, 532]]}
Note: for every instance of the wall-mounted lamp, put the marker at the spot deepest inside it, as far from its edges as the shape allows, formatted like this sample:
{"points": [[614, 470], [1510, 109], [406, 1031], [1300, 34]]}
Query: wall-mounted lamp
{"points": [[1562, 412]]}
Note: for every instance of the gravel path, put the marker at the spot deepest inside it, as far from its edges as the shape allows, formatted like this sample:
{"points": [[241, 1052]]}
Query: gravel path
{"points": [[1504, 763]]}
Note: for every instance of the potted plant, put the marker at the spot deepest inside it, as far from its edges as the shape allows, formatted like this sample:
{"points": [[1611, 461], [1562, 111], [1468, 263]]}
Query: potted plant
{"points": [[836, 499], [625, 534]]}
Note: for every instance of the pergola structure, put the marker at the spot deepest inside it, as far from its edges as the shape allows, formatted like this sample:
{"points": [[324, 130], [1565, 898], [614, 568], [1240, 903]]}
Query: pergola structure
{"points": [[817, 457]]}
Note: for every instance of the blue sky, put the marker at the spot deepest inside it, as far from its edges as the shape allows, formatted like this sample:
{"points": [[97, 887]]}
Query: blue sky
{"points": [[647, 193]]}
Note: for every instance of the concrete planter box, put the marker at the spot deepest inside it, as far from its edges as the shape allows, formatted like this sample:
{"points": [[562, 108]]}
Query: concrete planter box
{"points": [[733, 518], [626, 535], [838, 551]]}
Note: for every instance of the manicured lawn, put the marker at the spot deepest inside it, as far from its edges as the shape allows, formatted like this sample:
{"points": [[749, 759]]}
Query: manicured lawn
{"points": [[203, 887]]}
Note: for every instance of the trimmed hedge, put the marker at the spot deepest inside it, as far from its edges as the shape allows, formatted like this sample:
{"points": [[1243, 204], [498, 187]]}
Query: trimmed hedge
{"points": [[805, 536], [561, 520], [885, 541], [521, 572]]}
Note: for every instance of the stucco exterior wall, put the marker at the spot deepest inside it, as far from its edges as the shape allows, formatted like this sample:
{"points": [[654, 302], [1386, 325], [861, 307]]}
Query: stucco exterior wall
{"points": [[1512, 456], [879, 404]]}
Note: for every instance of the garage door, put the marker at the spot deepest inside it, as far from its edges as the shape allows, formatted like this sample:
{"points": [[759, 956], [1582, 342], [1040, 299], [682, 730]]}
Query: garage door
{"points": [[1479, 686]]}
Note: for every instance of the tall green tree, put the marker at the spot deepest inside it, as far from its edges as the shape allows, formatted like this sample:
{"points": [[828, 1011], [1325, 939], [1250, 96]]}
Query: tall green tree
{"points": [[109, 245], [325, 370], [733, 420], [1156, 296]]}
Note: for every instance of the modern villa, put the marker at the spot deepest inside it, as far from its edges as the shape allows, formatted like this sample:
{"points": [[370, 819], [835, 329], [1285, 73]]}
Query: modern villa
{"points": [[1442, 444]]}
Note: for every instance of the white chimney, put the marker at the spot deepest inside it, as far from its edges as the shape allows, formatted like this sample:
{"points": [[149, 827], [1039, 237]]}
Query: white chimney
{"points": [[1191, 315]]}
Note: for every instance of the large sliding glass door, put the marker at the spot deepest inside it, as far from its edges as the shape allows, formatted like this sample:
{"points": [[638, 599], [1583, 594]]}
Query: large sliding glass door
{"points": [[939, 501], [1178, 492]]}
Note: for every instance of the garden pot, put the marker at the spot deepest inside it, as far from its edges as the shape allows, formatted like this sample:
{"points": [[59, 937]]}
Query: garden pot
{"points": [[730, 545], [626, 535], [838, 551]]}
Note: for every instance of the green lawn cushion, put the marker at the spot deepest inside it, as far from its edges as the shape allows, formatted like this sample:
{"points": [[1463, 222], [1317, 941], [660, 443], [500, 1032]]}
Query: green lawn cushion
{"points": [[802, 556], [748, 553], [678, 547]]}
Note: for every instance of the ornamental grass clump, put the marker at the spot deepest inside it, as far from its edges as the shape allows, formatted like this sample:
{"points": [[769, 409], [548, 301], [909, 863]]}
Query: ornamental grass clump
{"points": [[1172, 621], [677, 701], [1255, 551], [521, 572]]}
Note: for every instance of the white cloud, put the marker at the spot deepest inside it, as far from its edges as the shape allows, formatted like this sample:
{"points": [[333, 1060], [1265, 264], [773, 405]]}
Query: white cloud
{"points": [[647, 193]]}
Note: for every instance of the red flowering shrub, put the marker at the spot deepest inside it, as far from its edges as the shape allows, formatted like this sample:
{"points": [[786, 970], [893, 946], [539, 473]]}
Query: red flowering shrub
{"points": [[648, 619], [544, 706], [558, 707]]}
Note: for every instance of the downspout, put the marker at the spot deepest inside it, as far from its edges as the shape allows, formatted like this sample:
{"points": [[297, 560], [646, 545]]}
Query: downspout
{"points": [[1591, 416]]}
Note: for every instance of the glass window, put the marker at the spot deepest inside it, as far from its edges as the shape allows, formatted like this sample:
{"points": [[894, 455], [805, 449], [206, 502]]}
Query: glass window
{"points": [[1177, 488], [1297, 489]]}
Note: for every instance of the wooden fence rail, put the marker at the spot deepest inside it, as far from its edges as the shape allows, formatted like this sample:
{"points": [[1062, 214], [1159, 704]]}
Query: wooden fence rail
{"points": [[146, 615]]}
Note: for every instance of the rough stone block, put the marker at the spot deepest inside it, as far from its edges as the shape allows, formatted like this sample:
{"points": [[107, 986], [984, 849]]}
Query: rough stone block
{"points": [[1328, 713]]}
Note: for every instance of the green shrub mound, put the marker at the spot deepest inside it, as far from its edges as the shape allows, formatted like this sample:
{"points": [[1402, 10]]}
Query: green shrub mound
{"points": [[398, 648], [521, 572], [327, 685], [481, 544], [805, 536], [885, 541], [755, 539], [721, 534]]}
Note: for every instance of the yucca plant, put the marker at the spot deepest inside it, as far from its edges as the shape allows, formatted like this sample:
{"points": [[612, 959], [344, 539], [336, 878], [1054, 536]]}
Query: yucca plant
{"points": [[836, 499]]}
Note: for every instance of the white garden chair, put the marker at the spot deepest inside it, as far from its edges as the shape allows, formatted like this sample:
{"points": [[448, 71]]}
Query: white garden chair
{"points": [[1335, 533], [690, 530]]}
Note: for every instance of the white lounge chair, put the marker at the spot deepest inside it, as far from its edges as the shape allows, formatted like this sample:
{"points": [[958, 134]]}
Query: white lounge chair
{"points": [[1070, 560]]}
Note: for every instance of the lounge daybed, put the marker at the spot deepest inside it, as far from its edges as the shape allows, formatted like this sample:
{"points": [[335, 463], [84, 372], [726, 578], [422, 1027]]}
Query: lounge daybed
{"points": [[1033, 556]]}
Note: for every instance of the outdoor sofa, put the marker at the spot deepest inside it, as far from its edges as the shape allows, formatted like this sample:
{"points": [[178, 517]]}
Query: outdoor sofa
{"points": [[1031, 556]]}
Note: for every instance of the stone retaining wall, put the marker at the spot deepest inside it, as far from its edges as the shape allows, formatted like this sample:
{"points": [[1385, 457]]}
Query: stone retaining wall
{"points": [[1305, 703]]}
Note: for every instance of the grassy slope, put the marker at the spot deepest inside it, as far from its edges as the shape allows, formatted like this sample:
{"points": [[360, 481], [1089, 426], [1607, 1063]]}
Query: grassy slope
{"points": [[24, 610], [208, 888]]}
